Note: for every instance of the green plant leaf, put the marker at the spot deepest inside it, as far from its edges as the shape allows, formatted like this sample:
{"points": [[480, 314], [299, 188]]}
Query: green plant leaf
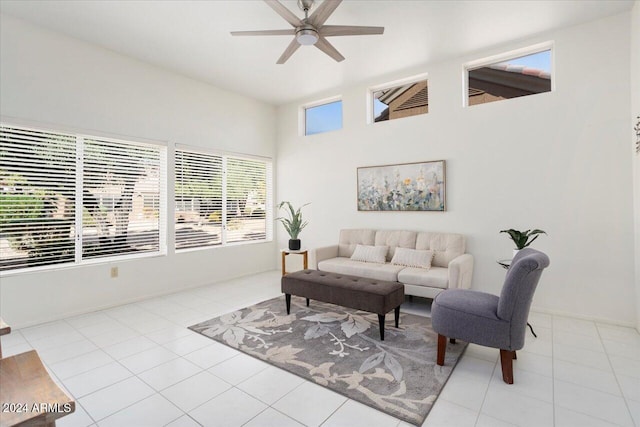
{"points": [[521, 238], [293, 224]]}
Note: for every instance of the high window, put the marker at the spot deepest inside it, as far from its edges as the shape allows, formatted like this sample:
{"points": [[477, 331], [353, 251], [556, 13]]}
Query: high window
{"points": [[221, 199], [400, 99], [510, 76], [68, 198], [323, 116]]}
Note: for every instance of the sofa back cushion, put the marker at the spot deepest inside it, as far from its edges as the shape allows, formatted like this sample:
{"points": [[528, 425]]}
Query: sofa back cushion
{"points": [[446, 246], [395, 239], [350, 238]]}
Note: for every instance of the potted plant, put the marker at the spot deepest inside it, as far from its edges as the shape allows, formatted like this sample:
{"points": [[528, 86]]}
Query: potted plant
{"points": [[292, 223], [522, 239]]}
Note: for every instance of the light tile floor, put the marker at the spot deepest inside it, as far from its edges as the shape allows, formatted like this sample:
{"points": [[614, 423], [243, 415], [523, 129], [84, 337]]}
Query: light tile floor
{"points": [[138, 365]]}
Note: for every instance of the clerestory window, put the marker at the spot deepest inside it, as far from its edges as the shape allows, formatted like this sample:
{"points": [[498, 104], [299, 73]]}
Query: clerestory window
{"points": [[324, 116], [510, 76]]}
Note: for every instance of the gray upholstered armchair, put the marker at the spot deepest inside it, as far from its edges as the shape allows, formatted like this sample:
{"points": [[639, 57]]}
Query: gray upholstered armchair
{"points": [[487, 320]]}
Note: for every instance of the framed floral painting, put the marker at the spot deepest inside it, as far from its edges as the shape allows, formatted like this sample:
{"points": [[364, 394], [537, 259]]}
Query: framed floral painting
{"points": [[404, 187]]}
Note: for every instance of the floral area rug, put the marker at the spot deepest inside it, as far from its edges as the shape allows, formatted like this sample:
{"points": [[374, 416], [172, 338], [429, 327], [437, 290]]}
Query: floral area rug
{"points": [[340, 348]]}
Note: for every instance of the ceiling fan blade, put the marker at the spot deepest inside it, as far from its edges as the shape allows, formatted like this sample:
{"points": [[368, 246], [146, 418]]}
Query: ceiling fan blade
{"points": [[293, 46], [281, 10], [349, 30], [323, 12], [328, 48], [291, 32]]}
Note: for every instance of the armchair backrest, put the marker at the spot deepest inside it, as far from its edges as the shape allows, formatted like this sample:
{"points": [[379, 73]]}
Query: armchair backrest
{"points": [[518, 289]]}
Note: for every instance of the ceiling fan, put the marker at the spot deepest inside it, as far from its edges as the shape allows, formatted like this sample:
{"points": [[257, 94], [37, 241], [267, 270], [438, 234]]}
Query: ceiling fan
{"points": [[310, 30]]}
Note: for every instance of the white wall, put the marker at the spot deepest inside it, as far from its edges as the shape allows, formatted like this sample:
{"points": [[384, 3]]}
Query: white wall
{"points": [[557, 161], [635, 112], [52, 79]]}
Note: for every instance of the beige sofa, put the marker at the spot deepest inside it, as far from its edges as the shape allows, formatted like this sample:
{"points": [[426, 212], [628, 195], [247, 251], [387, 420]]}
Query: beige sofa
{"points": [[451, 266]]}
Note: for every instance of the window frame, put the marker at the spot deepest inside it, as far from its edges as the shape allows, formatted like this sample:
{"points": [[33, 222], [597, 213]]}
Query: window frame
{"points": [[80, 136], [505, 56], [388, 85], [225, 155], [302, 114], [162, 199]]}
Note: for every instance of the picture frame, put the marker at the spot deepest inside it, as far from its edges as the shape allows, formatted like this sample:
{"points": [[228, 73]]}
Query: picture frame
{"points": [[419, 186]]}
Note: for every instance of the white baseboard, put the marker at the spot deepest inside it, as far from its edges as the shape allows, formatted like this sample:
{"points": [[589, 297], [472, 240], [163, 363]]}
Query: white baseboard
{"points": [[127, 301], [585, 317]]}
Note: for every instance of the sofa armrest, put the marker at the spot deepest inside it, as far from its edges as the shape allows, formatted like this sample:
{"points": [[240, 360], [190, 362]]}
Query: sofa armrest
{"points": [[461, 271], [320, 254]]}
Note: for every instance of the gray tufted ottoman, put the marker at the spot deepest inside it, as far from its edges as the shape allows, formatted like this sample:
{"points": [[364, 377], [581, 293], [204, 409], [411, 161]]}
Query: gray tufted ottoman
{"points": [[374, 296]]}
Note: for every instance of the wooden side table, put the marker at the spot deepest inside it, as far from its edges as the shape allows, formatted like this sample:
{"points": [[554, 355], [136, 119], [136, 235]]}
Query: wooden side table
{"points": [[31, 397], [303, 252]]}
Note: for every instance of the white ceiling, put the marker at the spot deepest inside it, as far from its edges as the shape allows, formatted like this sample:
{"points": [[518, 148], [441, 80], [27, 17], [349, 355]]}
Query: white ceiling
{"points": [[192, 37]]}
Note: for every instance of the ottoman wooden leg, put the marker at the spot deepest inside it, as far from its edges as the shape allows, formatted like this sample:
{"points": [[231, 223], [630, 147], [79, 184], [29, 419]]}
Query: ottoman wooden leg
{"points": [[381, 322], [397, 313], [287, 298], [442, 348], [307, 302]]}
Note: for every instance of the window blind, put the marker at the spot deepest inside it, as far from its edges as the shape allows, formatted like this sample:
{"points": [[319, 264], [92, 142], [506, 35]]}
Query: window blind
{"points": [[221, 199], [53, 184], [198, 199], [121, 196], [37, 198], [247, 194]]}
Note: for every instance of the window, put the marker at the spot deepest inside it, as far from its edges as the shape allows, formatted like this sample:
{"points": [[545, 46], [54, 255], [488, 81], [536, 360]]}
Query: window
{"points": [[198, 191], [221, 199], [54, 184], [120, 198], [515, 76], [246, 197], [37, 198], [400, 100], [323, 117]]}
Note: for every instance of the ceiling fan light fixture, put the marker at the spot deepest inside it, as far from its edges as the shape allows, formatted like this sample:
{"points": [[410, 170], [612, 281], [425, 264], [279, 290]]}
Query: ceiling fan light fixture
{"points": [[307, 36]]}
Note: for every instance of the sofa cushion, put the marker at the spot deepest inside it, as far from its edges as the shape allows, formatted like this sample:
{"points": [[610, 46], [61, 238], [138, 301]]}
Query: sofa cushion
{"points": [[395, 239], [413, 258], [363, 269], [435, 277], [446, 246], [367, 253], [349, 239]]}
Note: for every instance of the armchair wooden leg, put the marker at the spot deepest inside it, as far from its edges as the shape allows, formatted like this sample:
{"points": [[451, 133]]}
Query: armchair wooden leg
{"points": [[452, 340], [442, 348], [506, 360]]}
